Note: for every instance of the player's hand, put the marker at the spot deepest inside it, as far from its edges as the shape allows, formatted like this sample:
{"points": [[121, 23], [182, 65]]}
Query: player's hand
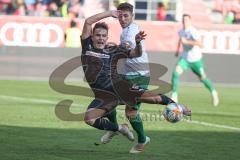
{"points": [[115, 13], [176, 54], [184, 40], [200, 44], [140, 36]]}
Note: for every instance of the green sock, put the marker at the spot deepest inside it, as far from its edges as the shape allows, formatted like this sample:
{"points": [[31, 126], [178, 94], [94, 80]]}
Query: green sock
{"points": [[208, 84], [175, 78], [137, 125], [112, 116]]}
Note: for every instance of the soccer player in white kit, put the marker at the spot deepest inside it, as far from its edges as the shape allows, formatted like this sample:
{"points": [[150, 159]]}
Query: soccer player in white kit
{"points": [[191, 57], [135, 70]]}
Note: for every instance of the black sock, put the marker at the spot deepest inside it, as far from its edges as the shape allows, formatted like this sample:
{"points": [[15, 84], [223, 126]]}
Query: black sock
{"points": [[112, 116], [104, 124], [165, 100]]}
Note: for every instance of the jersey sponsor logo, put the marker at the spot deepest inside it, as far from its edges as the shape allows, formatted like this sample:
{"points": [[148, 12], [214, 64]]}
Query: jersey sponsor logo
{"points": [[224, 42], [95, 54], [31, 34]]}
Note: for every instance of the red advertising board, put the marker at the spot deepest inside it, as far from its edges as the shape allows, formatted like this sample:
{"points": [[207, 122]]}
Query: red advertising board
{"points": [[161, 36]]}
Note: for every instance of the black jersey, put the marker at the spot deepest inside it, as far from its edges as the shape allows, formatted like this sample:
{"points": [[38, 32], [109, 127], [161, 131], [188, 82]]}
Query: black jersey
{"points": [[100, 65]]}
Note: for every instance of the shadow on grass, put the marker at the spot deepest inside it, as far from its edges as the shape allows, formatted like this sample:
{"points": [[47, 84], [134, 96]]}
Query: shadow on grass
{"points": [[23, 143]]}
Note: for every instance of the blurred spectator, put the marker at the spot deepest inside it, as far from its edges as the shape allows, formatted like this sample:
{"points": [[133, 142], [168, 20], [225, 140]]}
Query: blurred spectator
{"points": [[229, 18], [30, 4], [161, 12], [39, 10], [114, 3], [53, 10], [21, 9], [72, 35], [75, 9], [229, 9], [9, 8], [64, 8], [82, 2], [45, 1], [166, 4], [237, 18]]}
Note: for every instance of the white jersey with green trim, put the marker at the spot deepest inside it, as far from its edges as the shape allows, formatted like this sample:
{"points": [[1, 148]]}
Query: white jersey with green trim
{"points": [[133, 66], [190, 53]]}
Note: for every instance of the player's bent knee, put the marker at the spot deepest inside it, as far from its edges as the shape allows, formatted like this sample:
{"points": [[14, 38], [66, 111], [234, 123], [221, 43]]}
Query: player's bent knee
{"points": [[131, 113], [179, 70], [203, 76], [88, 120]]}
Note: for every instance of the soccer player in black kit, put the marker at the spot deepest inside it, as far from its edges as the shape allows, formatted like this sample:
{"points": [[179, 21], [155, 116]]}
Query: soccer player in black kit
{"points": [[100, 67]]}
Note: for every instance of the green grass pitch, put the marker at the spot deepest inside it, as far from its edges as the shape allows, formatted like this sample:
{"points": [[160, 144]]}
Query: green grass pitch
{"points": [[30, 130]]}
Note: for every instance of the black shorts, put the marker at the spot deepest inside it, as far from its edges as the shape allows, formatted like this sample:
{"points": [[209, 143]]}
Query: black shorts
{"points": [[124, 93], [104, 99]]}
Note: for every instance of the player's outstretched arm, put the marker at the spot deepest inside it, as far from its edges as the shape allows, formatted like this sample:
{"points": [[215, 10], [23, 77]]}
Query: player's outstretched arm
{"points": [[137, 51], [87, 27], [191, 42], [178, 48]]}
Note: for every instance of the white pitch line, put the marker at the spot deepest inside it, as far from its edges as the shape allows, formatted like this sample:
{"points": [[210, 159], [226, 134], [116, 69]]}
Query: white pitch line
{"points": [[44, 101], [213, 125], [32, 100], [218, 114]]}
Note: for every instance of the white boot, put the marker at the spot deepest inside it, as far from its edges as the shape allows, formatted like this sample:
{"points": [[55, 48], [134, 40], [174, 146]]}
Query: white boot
{"points": [[139, 147], [124, 130], [107, 137], [215, 98]]}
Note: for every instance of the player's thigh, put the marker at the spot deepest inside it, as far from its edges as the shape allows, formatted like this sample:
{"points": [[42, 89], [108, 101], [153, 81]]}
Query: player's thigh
{"points": [[104, 99], [181, 66], [92, 114], [199, 69], [100, 107], [140, 81]]}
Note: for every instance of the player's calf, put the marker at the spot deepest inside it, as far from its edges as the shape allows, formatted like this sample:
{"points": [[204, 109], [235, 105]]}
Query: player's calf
{"points": [[152, 98]]}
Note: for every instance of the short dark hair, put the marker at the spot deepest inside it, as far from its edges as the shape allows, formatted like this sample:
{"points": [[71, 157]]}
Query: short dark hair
{"points": [[186, 15], [160, 4], [102, 25], [125, 7]]}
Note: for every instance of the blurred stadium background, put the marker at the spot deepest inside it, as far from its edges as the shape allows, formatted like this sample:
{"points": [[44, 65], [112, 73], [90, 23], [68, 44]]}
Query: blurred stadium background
{"points": [[35, 41], [36, 38]]}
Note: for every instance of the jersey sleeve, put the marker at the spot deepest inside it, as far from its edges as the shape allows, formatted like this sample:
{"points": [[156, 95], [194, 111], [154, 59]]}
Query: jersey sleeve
{"points": [[123, 51], [86, 44], [195, 34], [127, 53], [181, 33]]}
